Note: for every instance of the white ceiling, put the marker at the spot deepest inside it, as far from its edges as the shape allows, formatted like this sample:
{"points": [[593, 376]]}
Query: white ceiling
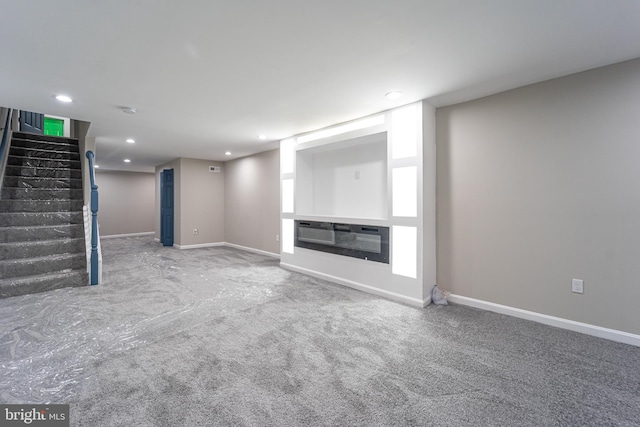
{"points": [[209, 76]]}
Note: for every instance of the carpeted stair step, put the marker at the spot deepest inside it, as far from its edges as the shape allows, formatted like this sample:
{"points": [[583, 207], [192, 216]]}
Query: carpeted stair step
{"points": [[41, 265], [40, 193], [41, 283], [40, 205], [41, 222], [43, 142], [40, 232], [39, 162], [23, 219], [38, 137], [41, 153], [43, 145], [35, 182], [29, 171], [40, 248]]}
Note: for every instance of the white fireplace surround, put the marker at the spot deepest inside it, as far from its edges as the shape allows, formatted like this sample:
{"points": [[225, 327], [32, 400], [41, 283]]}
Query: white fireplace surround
{"points": [[379, 171]]}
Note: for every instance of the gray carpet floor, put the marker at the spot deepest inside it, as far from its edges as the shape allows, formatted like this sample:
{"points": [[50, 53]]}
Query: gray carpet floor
{"points": [[222, 337]]}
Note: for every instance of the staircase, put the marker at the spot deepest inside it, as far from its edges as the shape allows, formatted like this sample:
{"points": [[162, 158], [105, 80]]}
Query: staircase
{"points": [[41, 224]]}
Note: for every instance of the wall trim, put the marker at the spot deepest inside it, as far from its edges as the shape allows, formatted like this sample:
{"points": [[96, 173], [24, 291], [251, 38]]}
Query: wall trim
{"points": [[415, 302], [231, 245], [248, 249], [114, 236], [585, 328], [200, 245]]}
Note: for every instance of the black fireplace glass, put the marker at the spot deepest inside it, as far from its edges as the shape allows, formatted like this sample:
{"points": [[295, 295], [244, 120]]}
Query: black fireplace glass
{"points": [[355, 240]]}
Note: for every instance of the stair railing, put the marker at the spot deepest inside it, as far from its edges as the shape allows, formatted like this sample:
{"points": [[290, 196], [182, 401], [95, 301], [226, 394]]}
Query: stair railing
{"points": [[4, 144], [94, 269]]}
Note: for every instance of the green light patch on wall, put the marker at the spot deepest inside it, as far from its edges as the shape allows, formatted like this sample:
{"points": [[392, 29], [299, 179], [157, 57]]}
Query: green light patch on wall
{"points": [[53, 127]]}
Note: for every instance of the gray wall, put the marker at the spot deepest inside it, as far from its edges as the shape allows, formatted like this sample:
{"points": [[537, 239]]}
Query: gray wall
{"points": [[126, 202], [240, 204], [539, 185], [201, 202], [198, 201], [252, 201]]}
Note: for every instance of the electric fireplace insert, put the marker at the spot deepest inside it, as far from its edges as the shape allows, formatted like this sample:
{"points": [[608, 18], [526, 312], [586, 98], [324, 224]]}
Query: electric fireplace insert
{"points": [[355, 240]]}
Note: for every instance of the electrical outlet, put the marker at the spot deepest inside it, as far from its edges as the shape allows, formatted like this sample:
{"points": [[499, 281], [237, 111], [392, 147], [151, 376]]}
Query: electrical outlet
{"points": [[195, 231], [577, 286], [277, 237]]}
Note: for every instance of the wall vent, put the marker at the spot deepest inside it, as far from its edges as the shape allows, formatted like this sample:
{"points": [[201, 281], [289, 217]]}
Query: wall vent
{"points": [[214, 168]]}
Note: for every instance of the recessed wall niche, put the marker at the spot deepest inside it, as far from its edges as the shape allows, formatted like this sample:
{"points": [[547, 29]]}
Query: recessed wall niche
{"points": [[378, 172], [346, 179]]}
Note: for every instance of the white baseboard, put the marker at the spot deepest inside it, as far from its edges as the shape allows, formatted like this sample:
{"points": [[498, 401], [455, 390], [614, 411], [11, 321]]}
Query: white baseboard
{"points": [[248, 249], [200, 245], [230, 245], [114, 236], [585, 328], [359, 286]]}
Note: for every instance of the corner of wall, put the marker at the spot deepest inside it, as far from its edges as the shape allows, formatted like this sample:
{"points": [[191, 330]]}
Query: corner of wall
{"points": [[428, 200]]}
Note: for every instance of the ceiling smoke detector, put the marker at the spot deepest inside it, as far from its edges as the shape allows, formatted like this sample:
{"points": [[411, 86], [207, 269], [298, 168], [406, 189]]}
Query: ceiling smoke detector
{"points": [[128, 110]]}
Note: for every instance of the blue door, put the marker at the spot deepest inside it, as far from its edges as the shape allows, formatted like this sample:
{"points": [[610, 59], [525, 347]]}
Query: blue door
{"points": [[31, 122], [166, 207]]}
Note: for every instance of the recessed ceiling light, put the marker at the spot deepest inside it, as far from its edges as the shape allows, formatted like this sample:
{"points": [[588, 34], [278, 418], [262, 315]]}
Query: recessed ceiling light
{"points": [[96, 166], [394, 95], [128, 110], [228, 153], [131, 141], [261, 136], [127, 161], [64, 98]]}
